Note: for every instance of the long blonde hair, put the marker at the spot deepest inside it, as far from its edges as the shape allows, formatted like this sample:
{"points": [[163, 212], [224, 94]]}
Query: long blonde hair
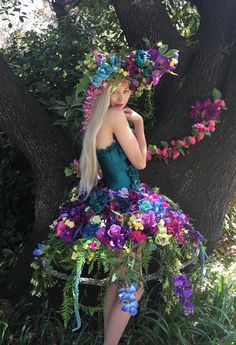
{"points": [[89, 166]]}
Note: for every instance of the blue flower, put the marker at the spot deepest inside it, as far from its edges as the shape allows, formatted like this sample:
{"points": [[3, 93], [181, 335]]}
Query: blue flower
{"points": [[97, 200], [145, 205], [38, 251], [128, 299], [90, 230]]}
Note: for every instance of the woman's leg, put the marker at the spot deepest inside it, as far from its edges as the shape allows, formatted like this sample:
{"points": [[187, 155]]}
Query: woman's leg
{"points": [[109, 301], [117, 321]]}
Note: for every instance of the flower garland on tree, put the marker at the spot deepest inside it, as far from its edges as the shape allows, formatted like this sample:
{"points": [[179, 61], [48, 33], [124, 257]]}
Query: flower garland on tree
{"points": [[205, 115]]}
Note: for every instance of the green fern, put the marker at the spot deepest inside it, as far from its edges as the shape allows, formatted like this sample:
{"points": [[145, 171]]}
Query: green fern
{"points": [[67, 307]]}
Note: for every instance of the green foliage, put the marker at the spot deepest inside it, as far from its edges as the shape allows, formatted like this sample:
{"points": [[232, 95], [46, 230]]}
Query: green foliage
{"points": [[184, 16], [213, 323], [9, 9]]}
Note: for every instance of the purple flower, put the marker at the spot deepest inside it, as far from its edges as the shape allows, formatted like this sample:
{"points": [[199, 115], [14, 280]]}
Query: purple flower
{"points": [[115, 231], [182, 290], [180, 280], [197, 237], [188, 308], [148, 219]]}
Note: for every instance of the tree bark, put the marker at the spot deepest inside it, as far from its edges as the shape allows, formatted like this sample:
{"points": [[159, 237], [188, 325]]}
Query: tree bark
{"points": [[48, 150], [204, 181]]}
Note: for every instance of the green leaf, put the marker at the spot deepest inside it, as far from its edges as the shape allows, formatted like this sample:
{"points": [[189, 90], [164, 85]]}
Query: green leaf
{"points": [[68, 171], [171, 52], [164, 143], [163, 49], [216, 94]]}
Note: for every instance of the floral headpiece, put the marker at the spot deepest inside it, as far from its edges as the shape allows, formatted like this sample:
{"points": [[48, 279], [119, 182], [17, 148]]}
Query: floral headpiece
{"points": [[142, 68]]}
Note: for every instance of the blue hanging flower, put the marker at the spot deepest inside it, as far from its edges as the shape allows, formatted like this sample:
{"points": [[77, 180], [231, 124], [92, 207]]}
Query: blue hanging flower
{"points": [[38, 251], [128, 299]]}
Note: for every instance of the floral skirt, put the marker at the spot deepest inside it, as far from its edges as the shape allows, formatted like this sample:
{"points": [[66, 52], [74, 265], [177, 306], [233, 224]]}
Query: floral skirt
{"points": [[114, 229]]}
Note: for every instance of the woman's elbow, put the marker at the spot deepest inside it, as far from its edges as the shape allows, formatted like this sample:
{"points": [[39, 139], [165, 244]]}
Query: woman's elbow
{"points": [[140, 165]]}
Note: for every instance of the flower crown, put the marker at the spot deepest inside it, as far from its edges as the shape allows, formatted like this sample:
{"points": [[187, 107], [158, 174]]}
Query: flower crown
{"points": [[142, 68]]}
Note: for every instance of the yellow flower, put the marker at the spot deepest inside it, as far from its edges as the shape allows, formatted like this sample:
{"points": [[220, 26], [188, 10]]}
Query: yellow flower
{"points": [[70, 224], [162, 238], [173, 61], [135, 223], [95, 220]]}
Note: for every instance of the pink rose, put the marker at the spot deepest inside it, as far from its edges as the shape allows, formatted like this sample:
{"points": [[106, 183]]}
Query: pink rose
{"points": [[211, 126], [164, 152], [201, 126], [192, 140], [175, 154], [200, 136]]}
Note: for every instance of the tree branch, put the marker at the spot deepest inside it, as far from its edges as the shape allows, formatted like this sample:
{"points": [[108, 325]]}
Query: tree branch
{"points": [[46, 147], [146, 19]]}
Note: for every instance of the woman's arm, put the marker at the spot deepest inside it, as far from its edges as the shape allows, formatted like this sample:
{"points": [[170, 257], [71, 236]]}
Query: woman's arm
{"points": [[134, 145], [137, 120]]}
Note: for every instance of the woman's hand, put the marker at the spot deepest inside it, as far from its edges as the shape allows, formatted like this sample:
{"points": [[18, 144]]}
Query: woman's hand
{"points": [[132, 116]]}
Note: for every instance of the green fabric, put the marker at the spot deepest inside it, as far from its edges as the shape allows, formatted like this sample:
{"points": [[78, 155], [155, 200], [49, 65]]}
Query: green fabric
{"points": [[117, 171]]}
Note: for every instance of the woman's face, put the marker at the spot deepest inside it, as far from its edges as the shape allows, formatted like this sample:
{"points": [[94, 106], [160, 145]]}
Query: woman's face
{"points": [[120, 96]]}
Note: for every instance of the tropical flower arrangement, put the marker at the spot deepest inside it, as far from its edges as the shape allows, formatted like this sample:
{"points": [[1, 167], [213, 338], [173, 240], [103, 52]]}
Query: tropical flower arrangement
{"points": [[142, 68], [111, 228], [204, 115]]}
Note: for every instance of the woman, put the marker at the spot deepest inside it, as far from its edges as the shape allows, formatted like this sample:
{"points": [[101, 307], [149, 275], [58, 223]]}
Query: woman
{"points": [[105, 126], [112, 218]]}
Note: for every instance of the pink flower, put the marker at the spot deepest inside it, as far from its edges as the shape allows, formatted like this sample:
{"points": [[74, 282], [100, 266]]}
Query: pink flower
{"points": [[200, 136], [92, 245], [149, 155], [211, 126], [201, 126], [183, 143], [175, 154], [61, 227], [158, 151], [220, 103], [173, 142], [95, 52], [192, 140], [138, 236], [164, 152]]}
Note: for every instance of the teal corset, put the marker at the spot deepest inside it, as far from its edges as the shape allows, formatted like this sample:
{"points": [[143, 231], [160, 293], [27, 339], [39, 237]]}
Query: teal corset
{"points": [[117, 171]]}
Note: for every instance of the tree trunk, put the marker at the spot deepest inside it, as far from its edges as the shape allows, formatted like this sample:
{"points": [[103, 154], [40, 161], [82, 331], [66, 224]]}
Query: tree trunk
{"points": [[204, 181], [47, 148]]}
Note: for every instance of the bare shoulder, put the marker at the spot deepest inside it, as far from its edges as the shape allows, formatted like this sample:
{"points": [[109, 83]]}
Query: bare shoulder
{"points": [[116, 116], [119, 126]]}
